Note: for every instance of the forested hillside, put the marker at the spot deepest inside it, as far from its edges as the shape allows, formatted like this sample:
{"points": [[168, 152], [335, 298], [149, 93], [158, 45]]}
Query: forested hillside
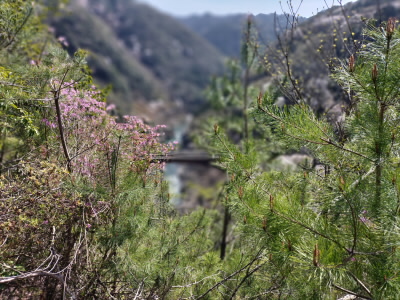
{"points": [[147, 55]]}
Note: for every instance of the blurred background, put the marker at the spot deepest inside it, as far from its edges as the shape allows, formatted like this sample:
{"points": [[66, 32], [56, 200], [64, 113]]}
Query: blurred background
{"points": [[162, 59]]}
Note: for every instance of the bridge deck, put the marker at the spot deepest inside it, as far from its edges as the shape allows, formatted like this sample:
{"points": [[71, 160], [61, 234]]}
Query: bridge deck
{"points": [[186, 156]]}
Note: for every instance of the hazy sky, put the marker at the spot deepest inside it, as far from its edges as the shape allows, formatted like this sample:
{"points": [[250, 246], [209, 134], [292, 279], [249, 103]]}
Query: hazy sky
{"points": [[186, 7]]}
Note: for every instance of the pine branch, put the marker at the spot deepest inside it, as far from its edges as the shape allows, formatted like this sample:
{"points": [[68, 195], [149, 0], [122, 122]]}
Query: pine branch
{"points": [[310, 229], [275, 117], [23, 23], [330, 142]]}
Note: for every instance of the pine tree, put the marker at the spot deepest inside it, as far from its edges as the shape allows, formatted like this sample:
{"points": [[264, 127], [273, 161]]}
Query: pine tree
{"points": [[332, 229]]}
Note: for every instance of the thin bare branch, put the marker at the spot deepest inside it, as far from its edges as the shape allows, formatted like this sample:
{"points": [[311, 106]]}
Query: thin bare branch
{"points": [[361, 284], [229, 277], [350, 292], [194, 283]]}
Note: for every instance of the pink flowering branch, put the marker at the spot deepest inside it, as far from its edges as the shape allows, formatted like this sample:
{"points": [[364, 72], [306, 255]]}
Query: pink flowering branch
{"points": [[93, 136]]}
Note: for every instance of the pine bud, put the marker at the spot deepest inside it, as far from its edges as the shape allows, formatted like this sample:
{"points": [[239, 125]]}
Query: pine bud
{"points": [[390, 26], [316, 255], [216, 128], [352, 65], [259, 100], [271, 202], [290, 248], [342, 183], [374, 73], [264, 224], [240, 192], [245, 220]]}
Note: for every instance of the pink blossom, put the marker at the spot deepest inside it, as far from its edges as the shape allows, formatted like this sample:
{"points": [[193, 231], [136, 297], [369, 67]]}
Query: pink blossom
{"points": [[63, 41], [110, 107], [93, 135]]}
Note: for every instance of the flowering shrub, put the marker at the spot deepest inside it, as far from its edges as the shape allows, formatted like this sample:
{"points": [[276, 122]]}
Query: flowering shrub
{"points": [[67, 219], [96, 140], [77, 185]]}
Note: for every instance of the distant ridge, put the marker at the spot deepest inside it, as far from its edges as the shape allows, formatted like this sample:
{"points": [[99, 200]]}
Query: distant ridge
{"points": [[145, 54], [158, 66], [225, 32]]}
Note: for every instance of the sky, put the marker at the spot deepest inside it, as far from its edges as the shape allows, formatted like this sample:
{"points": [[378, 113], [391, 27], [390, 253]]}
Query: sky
{"points": [[222, 7]]}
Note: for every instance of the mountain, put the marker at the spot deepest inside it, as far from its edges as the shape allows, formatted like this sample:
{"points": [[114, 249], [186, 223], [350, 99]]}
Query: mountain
{"points": [[316, 46], [158, 65], [145, 54], [226, 32]]}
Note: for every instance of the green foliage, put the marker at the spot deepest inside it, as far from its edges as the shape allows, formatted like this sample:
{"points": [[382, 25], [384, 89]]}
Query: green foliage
{"points": [[85, 213], [80, 193], [334, 226]]}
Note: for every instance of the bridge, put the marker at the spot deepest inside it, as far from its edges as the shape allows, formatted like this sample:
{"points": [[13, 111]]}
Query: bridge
{"points": [[187, 156]]}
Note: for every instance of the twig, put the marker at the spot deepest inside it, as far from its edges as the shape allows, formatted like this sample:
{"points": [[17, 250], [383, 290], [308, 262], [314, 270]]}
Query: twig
{"points": [[361, 284], [5, 240], [194, 283], [355, 183], [229, 277], [36, 99], [31, 274], [248, 274], [350, 292], [12, 84], [139, 290]]}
